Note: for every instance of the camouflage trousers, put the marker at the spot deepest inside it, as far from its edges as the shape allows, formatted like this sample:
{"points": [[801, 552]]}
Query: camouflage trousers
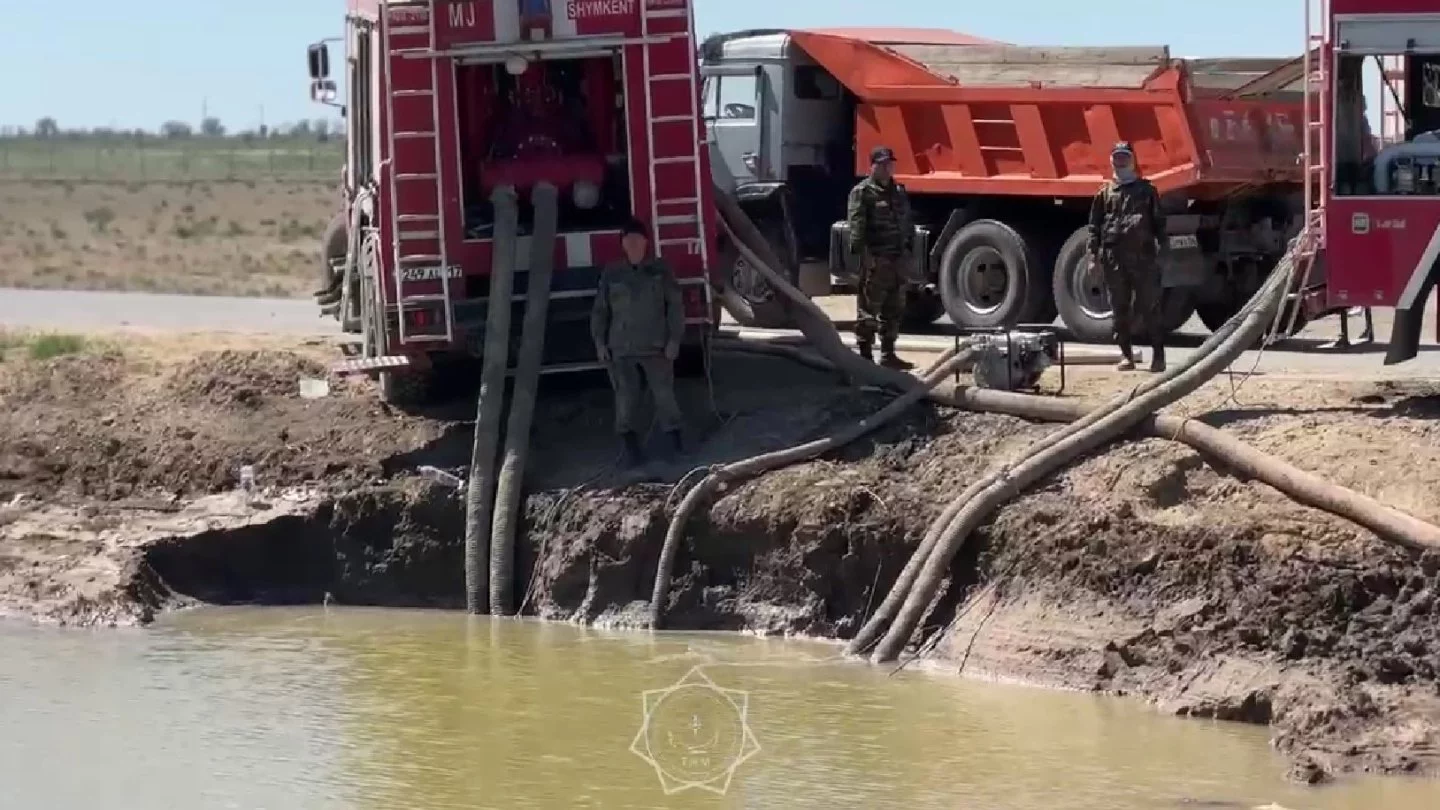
{"points": [[881, 301], [659, 374], [1133, 283]]}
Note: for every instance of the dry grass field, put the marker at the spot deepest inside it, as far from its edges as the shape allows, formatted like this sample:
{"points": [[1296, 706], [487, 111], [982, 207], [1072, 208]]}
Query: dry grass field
{"points": [[257, 237]]}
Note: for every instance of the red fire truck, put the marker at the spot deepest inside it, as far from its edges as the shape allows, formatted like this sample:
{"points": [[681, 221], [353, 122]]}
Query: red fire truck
{"points": [[446, 100], [1376, 201]]}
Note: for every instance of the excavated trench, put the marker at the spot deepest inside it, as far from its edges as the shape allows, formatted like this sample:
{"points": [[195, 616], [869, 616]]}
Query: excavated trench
{"points": [[1145, 569]]}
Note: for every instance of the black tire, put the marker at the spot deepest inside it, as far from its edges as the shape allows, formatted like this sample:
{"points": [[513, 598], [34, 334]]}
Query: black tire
{"points": [[991, 276], [333, 245], [923, 308], [406, 389], [1084, 303], [1214, 315], [767, 311]]}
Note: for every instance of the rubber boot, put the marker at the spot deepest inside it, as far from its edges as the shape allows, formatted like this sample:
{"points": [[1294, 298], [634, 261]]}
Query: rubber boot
{"points": [[631, 455], [1157, 360], [889, 359], [865, 351], [1343, 341], [1127, 357]]}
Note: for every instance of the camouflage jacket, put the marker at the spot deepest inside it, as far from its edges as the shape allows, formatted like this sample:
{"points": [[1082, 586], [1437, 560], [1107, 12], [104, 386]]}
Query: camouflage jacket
{"points": [[1127, 219], [638, 310], [880, 219]]}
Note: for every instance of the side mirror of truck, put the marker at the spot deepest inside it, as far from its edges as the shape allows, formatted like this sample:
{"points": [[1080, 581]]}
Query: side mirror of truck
{"points": [[319, 57], [323, 91]]}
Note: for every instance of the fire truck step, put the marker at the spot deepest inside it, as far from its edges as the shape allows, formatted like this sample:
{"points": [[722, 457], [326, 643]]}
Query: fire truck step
{"points": [[419, 235], [423, 298], [677, 220], [414, 135], [409, 29], [362, 365], [420, 257], [670, 77], [666, 161], [416, 92], [426, 176], [419, 217], [672, 119]]}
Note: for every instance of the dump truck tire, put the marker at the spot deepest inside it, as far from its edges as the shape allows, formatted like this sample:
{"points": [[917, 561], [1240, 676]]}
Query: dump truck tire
{"points": [[991, 276], [767, 308], [1084, 303], [923, 308], [333, 245]]}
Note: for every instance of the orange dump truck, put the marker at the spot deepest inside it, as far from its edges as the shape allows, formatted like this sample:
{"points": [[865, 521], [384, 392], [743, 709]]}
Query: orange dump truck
{"points": [[1002, 148]]}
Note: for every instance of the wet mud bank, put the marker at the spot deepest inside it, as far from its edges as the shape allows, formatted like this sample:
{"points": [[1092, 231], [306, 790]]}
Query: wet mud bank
{"points": [[1145, 570]]}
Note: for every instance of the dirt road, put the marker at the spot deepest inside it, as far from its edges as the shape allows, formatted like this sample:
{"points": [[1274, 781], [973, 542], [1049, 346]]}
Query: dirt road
{"points": [[107, 311]]}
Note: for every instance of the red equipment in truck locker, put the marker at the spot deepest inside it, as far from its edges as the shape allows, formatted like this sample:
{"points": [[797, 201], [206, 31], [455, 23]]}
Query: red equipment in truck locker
{"points": [[1379, 209], [448, 99]]}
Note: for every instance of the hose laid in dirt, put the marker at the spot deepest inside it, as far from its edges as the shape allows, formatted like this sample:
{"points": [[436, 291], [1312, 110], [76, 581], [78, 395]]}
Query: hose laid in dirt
{"points": [[1032, 467], [880, 620], [755, 465], [1388, 524], [545, 201], [480, 488]]}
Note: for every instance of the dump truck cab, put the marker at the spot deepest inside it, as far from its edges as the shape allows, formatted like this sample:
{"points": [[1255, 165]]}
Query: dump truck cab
{"points": [[447, 101], [1001, 148]]}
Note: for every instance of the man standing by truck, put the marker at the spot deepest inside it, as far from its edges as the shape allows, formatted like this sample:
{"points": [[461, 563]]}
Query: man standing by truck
{"points": [[637, 323], [1127, 239], [881, 234]]}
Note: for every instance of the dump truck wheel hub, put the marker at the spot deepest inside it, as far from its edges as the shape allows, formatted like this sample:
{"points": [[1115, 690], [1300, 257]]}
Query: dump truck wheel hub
{"points": [[1087, 289], [984, 279]]}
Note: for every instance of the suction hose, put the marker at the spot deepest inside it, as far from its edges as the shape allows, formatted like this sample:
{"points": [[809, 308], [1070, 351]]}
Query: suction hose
{"points": [[1388, 524], [545, 200], [480, 489], [977, 503], [756, 465], [885, 613]]}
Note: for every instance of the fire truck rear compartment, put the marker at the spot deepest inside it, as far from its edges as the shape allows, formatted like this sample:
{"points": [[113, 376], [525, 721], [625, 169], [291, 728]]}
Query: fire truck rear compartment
{"points": [[561, 121]]}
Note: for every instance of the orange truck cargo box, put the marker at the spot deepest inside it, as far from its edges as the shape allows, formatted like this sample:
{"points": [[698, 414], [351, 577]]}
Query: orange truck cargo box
{"points": [[987, 118]]}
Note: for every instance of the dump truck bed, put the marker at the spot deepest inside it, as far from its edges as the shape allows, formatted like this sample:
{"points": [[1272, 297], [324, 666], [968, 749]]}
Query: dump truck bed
{"points": [[989, 118]]}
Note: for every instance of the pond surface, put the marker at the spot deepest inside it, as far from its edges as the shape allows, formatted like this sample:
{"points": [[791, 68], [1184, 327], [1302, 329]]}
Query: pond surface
{"points": [[312, 709]]}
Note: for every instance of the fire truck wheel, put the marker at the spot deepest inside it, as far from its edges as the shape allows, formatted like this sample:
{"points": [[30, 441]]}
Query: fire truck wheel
{"points": [[765, 301], [923, 307], [332, 248], [405, 388], [990, 276]]}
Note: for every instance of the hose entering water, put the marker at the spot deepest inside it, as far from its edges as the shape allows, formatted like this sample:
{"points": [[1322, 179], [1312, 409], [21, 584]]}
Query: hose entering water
{"points": [[977, 503], [490, 407], [544, 198], [890, 606]]}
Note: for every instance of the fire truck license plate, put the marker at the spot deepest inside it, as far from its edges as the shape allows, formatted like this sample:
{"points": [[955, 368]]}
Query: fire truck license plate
{"points": [[1184, 240], [428, 273]]}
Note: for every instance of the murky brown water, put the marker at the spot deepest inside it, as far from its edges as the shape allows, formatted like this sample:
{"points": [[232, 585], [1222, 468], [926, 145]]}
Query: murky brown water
{"points": [[309, 710]]}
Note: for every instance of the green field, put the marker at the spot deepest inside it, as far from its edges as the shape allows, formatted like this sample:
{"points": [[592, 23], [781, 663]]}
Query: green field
{"points": [[160, 159]]}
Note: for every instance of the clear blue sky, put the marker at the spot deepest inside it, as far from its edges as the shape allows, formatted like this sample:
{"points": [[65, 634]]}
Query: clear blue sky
{"points": [[106, 63]]}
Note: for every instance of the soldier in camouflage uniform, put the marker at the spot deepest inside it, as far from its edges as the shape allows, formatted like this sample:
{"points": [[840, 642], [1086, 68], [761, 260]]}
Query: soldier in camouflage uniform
{"points": [[637, 323], [881, 235], [1127, 240]]}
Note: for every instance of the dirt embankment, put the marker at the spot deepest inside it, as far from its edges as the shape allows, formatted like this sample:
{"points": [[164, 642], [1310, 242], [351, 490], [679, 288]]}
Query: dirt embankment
{"points": [[1145, 570]]}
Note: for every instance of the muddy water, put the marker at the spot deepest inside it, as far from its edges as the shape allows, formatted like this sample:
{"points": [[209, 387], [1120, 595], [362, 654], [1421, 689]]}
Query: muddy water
{"points": [[312, 709]]}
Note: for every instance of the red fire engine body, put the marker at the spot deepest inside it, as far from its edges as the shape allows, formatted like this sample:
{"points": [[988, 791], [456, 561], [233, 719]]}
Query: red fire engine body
{"points": [[448, 99], [1378, 200]]}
